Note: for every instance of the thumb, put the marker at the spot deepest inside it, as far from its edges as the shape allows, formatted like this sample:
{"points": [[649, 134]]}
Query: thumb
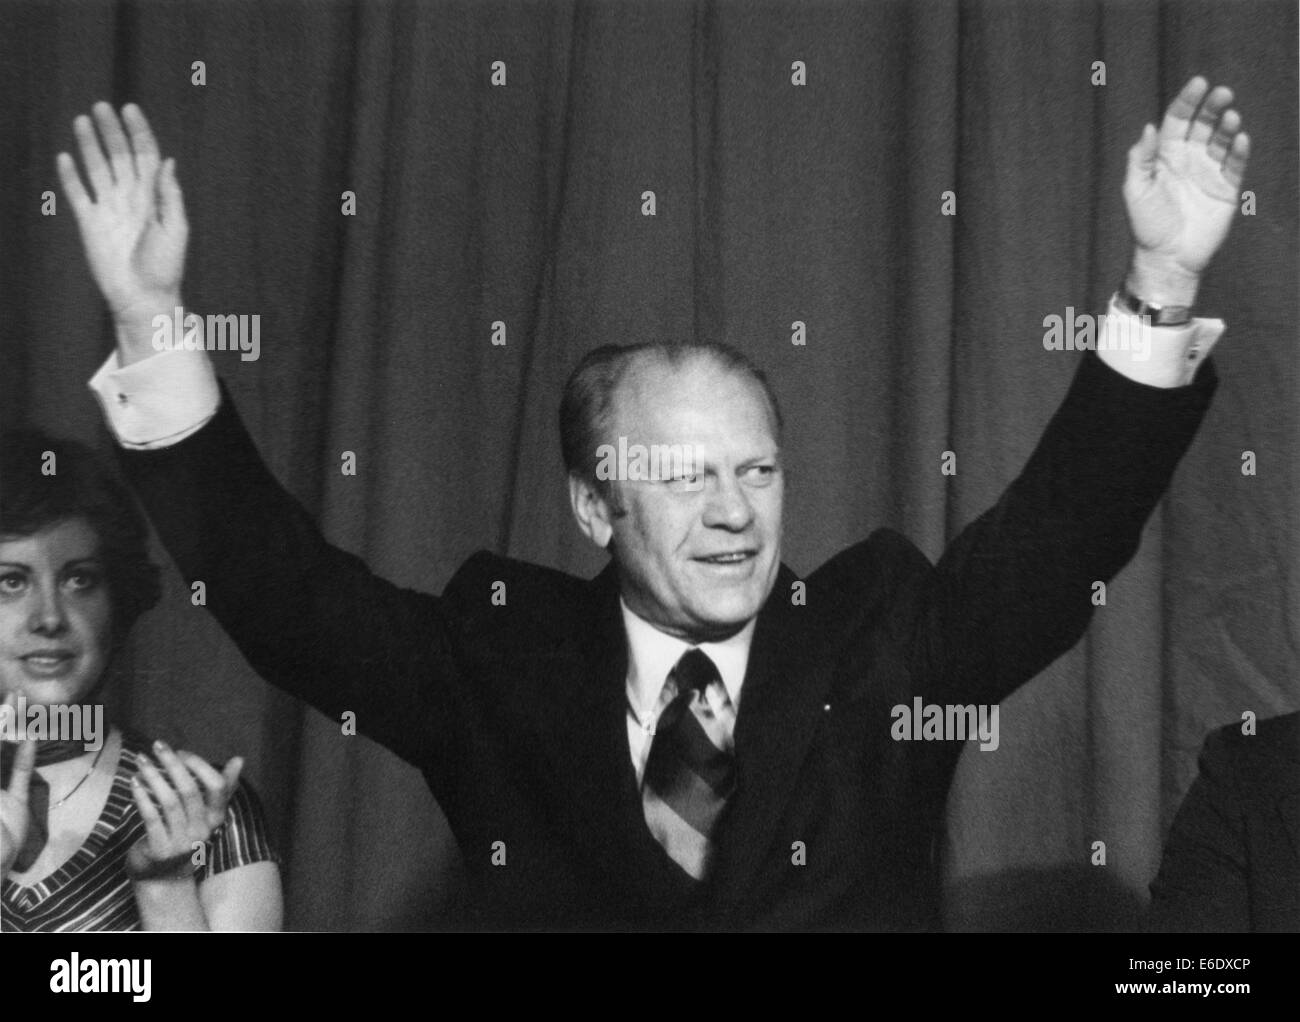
{"points": [[24, 764], [231, 771], [1142, 156], [171, 201]]}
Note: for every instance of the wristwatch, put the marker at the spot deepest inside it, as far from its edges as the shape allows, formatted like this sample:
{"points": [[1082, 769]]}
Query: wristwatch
{"points": [[1161, 315]]}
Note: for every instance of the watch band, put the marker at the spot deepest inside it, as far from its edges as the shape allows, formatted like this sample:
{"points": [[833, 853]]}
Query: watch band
{"points": [[1161, 315]]}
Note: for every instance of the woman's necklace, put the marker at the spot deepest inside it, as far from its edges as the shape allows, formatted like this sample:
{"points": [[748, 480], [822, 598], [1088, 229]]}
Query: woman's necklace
{"points": [[84, 779]]}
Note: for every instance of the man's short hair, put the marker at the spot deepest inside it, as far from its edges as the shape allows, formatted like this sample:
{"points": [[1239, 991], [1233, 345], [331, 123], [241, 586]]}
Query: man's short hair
{"points": [[586, 409], [81, 486]]}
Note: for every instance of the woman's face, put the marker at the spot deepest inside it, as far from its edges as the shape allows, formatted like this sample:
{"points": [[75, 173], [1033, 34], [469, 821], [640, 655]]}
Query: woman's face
{"points": [[55, 615]]}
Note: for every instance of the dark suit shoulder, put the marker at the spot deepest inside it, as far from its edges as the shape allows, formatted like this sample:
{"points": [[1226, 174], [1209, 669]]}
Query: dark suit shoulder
{"points": [[882, 575], [1274, 746], [484, 565], [886, 557], [501, 595]]}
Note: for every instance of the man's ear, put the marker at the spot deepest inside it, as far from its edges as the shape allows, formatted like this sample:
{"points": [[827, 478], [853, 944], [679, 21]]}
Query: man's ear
{"points": [[591, 510]]}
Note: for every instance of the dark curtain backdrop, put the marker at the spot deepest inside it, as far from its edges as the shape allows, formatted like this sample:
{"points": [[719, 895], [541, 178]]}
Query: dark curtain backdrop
{"points": [[775, 203]]}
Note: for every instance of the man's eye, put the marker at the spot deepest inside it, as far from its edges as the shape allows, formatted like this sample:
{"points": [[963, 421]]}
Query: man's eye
{"points": [[12, 582], [686, 481], [760, 475]]}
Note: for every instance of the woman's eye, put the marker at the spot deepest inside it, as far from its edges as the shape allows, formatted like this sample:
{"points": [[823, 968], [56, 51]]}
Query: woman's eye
{"points": [[12, 582], [83, 580]]}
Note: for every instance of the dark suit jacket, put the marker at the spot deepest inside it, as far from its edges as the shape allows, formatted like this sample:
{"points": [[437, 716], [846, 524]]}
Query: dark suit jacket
{"points": [[1232, 861], [516, 713]]}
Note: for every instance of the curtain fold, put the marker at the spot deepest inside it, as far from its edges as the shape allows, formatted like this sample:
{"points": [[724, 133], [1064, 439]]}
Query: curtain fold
{"points": [[519, 207]]}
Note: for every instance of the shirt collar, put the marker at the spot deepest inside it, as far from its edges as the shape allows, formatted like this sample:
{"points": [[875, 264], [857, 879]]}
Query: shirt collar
{"points": [[652, 654]]}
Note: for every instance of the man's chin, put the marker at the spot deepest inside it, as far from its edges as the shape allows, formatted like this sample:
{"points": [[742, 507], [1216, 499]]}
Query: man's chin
{"points": [[720, 622]]}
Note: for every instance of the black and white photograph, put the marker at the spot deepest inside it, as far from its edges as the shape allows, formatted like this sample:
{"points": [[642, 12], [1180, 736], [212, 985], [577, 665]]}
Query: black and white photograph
{"points": [[687, 467]]}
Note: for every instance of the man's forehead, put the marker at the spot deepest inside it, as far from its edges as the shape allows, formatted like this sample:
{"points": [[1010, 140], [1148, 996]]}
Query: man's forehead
{"points": [[695, 388]]}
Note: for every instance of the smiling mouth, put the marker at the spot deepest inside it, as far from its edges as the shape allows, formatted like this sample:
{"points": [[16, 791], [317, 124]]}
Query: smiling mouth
{"points": [[48, 661], [735, 557]]}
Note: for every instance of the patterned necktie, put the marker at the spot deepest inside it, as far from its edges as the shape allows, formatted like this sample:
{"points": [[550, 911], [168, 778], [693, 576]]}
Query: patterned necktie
{"points": [[691, 770]]}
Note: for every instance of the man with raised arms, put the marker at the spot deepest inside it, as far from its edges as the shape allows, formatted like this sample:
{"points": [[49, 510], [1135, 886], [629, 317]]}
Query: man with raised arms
{"points": [[677, 743]]}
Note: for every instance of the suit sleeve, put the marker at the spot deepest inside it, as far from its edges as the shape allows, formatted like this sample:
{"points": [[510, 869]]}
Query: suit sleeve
{"points": [[1014, 590], [1202, 885], [309, 618]]}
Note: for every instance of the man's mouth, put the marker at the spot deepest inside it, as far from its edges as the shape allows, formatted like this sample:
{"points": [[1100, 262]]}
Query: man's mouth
{"points": [[731, 557]]}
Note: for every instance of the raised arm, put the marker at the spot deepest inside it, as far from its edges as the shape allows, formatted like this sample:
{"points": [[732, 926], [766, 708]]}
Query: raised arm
{"points": [[1016, 589], [308, 617]]}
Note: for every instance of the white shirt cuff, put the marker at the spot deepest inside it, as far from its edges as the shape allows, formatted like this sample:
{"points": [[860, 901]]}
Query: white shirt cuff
{"points": [[158, 401], [1159, 356]]}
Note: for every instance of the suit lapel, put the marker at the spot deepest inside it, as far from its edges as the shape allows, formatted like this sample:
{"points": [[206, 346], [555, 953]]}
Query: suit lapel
{"points": [[786, 684], [592, 748]]}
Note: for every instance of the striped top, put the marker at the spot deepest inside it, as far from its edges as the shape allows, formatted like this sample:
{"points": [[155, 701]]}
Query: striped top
{"points": [[91, 891]]}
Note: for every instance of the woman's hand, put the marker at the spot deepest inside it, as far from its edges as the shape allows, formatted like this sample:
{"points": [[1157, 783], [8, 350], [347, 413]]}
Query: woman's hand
{"points": [[191, 804], [13, 804]]}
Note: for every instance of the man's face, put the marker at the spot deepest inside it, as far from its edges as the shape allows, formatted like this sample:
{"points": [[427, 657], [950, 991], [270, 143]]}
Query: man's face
{"points": [[54, 614], [698, 556]]}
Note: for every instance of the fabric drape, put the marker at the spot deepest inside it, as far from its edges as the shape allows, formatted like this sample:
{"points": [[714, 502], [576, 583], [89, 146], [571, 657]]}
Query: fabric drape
{"points": [[515, 212]]}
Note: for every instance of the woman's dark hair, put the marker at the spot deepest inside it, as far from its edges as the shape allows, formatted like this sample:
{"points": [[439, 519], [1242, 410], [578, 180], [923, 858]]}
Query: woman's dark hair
{"points": [[45, 480]]}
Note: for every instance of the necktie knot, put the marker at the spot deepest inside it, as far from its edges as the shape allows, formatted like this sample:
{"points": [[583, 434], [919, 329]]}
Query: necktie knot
{"points": [[695, 671]]}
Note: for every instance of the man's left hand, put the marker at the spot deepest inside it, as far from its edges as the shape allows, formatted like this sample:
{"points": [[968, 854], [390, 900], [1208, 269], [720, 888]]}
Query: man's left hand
{"points": [[1181, 191]]}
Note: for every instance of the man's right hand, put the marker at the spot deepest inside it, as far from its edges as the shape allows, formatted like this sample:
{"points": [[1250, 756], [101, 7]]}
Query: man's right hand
{"points": [[134, 229]]}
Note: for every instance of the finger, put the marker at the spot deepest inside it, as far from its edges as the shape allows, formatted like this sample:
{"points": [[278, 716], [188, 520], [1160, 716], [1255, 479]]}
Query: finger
{"points": [[1207, 117], [213, 782], [182, 781], [171, 202], [230, 781], [24, 764], [101, 178], [72, 186], [168, 802], [153, 821], [1178, 117], [119, 153], [1234, 164], [143, 143], [231, 771], [219, 800], [1226, 130]]}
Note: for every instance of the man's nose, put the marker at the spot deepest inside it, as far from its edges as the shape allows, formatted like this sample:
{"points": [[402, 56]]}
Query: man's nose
{"points": [[728, 506], [48, 614]]}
